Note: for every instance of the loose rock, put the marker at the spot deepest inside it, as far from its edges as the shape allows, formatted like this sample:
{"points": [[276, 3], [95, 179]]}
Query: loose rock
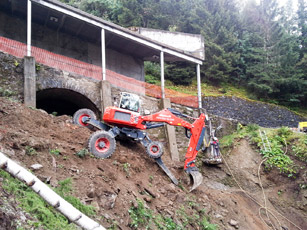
{"points": [[36, 166]]}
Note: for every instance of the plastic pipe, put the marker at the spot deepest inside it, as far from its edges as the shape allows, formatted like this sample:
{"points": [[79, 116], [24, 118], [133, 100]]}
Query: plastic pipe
{"points": [[73, 214]]}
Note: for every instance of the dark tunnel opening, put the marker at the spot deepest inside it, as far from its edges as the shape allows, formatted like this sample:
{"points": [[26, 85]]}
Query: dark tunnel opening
{"points": [[63, 102]]}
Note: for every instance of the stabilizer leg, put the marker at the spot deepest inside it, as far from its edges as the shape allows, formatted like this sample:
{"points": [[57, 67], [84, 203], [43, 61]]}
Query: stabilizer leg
{"points": [[166, 170]]}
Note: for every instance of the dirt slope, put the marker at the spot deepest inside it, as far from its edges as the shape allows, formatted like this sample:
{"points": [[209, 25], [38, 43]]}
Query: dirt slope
{"points": [[113, 185]]}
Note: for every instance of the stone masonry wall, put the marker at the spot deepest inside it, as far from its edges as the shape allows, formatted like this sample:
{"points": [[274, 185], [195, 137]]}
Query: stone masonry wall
{"points": [[11, 76], [246, 112]]}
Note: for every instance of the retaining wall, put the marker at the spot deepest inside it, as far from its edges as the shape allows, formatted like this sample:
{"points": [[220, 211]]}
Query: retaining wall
{"points": [[247, 111]]}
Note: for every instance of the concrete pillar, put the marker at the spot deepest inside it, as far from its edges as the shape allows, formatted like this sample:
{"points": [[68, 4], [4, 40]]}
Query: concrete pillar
{"points": [[103, 54], [170, 133], [29, 26], [162, 74], [198, 87], [29, 82], [106, 98]]}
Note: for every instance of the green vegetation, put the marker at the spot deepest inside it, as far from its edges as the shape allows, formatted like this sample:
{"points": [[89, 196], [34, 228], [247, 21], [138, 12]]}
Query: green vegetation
{"points": [[30, 151], [126, 167], [6, 92], [16, 63], [249, 131], [277, 157], [144, 218], [37, 67], [55, 152], [65, 190], [299, 145], [47, 217], [152, 71], [82, 153], [284, 144], [140, 216]]}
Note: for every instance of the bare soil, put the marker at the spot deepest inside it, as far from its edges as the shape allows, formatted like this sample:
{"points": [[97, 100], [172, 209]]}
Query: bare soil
{"points": [[113, 185]]}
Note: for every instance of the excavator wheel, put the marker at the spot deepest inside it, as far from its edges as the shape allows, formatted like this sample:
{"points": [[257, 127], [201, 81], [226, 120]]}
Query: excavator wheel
{"points": [[81, 113], [102, 144], [154, 149]]}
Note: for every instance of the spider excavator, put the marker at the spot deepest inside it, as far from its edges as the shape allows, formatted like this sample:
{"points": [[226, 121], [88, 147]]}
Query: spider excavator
{"points": [[126, 121]]}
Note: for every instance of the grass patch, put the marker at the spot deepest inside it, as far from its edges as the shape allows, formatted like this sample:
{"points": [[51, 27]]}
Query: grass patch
{"points": [[249, 131], [47, 217], [144, 218], [283, 142], [210, 90], [65, 190]]}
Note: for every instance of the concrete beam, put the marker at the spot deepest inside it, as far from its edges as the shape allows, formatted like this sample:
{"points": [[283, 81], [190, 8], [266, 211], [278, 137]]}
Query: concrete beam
{"points": [[170, 133], [106, 97], [29, 82]]}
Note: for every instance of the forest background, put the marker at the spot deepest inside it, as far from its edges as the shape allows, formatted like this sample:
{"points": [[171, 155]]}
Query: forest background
{"points": [[257, 45]]}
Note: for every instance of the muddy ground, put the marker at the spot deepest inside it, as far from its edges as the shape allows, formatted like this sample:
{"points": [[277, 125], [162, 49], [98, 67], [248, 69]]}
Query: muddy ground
{"points": [[113, 185]]}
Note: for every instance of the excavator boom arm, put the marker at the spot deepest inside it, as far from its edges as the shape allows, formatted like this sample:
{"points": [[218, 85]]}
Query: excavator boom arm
{"points": [[166, 116], [197, 130]]}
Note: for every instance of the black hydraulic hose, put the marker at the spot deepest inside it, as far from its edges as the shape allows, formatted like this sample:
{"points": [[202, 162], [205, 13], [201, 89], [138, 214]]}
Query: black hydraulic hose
{"points": [[187, 134], [152, 126], [177, 113]]}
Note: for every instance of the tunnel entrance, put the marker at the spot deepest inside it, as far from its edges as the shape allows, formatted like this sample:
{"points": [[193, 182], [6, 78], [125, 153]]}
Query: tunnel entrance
{"points": [[63, 102]]}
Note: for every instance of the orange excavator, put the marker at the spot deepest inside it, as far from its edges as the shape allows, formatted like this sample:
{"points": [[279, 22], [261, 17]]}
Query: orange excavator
{"points": [[125, 121]]}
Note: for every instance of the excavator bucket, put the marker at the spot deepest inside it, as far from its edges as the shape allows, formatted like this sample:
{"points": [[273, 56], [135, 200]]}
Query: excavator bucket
{"points": [[196, 178]]}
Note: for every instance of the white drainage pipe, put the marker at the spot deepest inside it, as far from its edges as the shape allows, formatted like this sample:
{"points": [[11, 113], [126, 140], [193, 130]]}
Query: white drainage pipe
{"points": [[73, 214]]}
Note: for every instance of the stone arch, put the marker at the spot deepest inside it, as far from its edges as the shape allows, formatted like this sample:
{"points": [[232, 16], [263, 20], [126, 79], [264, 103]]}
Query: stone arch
{"points": [[63, 101], [59, 90]]}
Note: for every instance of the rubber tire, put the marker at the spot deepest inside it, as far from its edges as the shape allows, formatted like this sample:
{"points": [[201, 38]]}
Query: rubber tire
{"points": [[83, 112], [107, 139], [154, 149]]}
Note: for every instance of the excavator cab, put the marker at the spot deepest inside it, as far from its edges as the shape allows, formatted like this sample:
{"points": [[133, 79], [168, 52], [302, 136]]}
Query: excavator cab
{"points": [[129, 101]]}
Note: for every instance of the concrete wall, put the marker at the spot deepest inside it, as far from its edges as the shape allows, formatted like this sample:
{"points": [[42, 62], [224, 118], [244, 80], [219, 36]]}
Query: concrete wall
{"points": [[13, 28], [70, 46], [125, 65], [192, 43]]}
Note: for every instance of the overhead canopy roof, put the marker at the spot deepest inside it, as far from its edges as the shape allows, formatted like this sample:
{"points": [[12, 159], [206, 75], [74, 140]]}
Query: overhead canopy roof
{"points": [[63, 18]]}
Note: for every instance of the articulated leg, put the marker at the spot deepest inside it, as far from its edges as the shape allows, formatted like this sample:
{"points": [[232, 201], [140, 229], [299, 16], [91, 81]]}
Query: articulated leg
{"points": [[147, 142], [166, 170]]}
